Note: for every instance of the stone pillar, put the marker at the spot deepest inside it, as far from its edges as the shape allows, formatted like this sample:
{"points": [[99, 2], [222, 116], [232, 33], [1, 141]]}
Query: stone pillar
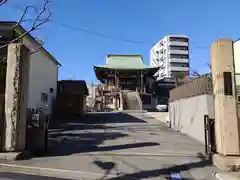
{"points": [[16, 97], [121, 100], [224, 91]]}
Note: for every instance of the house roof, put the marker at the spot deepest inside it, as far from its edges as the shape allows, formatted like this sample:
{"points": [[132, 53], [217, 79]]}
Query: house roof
{"points": [[20, 29], [74, 86], [124, 62]]}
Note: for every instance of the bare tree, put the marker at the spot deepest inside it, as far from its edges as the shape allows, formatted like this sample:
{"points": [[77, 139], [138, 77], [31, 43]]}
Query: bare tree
{"points": [[194, 73], [2, 2], [40, 17], [209, 66]]}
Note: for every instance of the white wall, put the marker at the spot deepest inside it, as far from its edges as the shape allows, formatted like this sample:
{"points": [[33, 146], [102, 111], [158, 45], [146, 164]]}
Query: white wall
{"points": [[187, 115], [236, 47], [43, 75]]}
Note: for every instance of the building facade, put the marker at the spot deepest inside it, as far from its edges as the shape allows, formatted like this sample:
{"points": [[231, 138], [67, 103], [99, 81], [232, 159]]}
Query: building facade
{"points": [[43, 68], [171, 54], [29, 73], [126, 82], [42, 86], [71, 98], [91, 94]]}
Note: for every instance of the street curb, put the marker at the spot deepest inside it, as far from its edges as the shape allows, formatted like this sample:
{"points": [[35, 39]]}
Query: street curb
{"points": [[164, 154], [10, 156], [15, 156], [50, 172], [226, 176]]}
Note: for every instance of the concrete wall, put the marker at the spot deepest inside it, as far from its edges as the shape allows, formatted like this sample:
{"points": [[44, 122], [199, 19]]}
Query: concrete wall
{"points": [[187, 115], [43, 76]]}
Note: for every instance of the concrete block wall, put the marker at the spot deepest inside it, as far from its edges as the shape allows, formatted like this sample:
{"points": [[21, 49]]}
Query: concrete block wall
{"points": [[187, 115]]}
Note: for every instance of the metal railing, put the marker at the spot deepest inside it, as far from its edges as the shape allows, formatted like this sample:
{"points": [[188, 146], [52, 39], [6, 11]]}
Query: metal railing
{"points": [[210, 142], [139, 100], [37, 129], [2, 135]]}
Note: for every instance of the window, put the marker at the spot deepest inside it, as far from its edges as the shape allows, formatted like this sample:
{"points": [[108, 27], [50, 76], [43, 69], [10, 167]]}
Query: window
{"points": [[175, 64], [178, 39], [179, 48], [44, 97], [179, 56]]}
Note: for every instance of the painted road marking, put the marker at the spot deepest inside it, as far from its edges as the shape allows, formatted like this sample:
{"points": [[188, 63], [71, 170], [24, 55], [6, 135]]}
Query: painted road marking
{"points": [[175, 176]]}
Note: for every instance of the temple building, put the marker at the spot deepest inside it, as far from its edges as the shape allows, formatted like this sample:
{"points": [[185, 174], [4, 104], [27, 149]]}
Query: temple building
{"points": [[126, 83]]}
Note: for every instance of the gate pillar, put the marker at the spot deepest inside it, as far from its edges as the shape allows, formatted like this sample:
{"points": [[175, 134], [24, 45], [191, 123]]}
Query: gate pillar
{"points": [[225, 110], [16, 97]]}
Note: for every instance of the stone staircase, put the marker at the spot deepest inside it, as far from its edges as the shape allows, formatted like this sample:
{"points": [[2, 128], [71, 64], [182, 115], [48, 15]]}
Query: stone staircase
{"points": [[132, 100]]}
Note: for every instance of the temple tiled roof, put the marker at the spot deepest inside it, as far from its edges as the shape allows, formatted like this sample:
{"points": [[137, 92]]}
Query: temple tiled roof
{"points": [[121, 62]]}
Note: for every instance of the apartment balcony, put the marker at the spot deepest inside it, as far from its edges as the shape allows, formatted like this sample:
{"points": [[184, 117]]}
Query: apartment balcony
{"points": [[184, 52], [161, 63], [179, 69], [178, 60], [178, 43]]}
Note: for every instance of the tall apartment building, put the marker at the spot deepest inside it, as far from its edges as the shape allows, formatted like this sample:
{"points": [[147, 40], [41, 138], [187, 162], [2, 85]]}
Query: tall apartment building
{"points": [[171, 54]]}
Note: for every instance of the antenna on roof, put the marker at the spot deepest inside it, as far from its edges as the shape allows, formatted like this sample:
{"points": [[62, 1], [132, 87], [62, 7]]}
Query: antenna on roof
{"points": [[71, 77]]}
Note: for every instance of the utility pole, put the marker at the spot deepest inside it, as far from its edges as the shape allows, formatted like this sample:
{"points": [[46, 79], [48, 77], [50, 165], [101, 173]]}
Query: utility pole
{"points": [[93, 97]]}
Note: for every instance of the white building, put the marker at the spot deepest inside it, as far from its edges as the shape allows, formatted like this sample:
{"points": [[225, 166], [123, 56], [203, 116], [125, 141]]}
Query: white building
{"points": [[29, 75], [43, 70], [171, 54], [43, 77]]}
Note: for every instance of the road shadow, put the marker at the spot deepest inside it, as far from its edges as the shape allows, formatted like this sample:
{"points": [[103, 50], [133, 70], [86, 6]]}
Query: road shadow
{"points": [[106, 166], [79, 135], [92, 121], [148, 174], [67, 143]]}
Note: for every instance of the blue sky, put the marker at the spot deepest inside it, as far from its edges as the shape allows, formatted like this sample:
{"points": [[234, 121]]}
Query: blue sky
{"points": [[144, 21]]}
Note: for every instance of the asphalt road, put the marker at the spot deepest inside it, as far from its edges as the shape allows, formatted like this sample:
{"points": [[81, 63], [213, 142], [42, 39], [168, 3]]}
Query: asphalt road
{"points": [[117, 146], [17, 176]]}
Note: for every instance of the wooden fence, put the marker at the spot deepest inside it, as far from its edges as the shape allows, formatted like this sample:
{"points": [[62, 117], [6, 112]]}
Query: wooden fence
{"points": [[201, 85]]}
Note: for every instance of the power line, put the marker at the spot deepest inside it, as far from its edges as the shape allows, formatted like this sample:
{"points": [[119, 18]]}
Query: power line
{"points": [[98, 34], [73, 28], [112, 37]]}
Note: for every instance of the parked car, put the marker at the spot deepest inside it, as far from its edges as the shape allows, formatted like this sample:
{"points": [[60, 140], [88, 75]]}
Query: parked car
{"points": [[162, 107]]}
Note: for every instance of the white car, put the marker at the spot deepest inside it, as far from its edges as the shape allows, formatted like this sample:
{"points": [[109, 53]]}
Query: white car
{"points": [[162, 107]]}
